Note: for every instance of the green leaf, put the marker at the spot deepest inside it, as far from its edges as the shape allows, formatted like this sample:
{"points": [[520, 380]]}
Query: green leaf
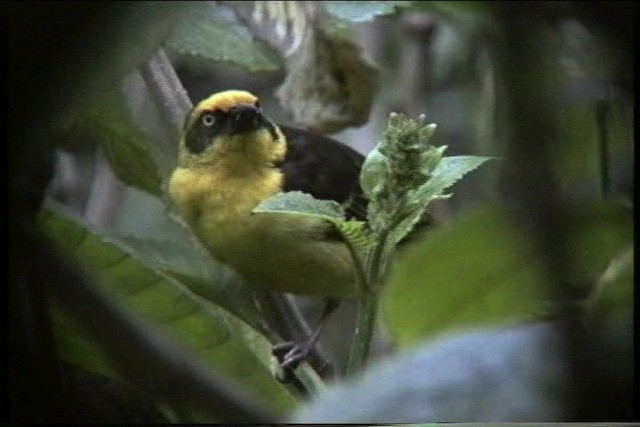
{"points": [[481, 270], [448, 172], [74, 345], [216, 337], [202, 33], [167, 243], [192, 266], [360, 11], [475, 270], [104, 119], [357, 233], [374, 170], [599, 231], [297, 202]]}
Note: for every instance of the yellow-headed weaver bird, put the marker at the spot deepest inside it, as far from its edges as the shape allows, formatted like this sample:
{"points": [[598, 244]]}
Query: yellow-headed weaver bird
{"points": [[232, 157]]}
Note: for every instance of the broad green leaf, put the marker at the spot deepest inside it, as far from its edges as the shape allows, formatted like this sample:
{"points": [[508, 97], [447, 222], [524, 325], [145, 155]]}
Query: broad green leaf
{"points": [[477, 269], [167, 243], [192, 266], [104, 119], [211, 333], [202, 33], [297, 202], [360, 11], [481, 269]]}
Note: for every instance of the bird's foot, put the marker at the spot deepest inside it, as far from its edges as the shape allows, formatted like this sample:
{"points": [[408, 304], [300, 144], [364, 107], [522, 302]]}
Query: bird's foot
{"points": [[290, 355]]}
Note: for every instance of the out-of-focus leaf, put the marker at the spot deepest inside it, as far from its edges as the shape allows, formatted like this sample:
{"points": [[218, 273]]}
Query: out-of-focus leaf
{"points": [[74, 344], [477, 269], [490, 376], [203, 33], [192, 266], [480, 269], [578, 153], [104, 119], [104, 45], [599, 231], [329, 84], [448, 380], [615, 288], [210, 332], [164, 241], [360, 11]]}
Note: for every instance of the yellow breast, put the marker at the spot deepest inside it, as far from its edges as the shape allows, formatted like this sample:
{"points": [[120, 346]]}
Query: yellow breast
{"points": [[276, 251]]}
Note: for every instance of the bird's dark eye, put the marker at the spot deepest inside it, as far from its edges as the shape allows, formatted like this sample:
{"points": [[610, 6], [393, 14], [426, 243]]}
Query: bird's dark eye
{"points": [[258, 104], [208, 119]]}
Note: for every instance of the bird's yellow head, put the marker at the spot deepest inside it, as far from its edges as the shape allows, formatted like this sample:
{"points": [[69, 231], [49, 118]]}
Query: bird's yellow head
{"points": [[229, 127]]}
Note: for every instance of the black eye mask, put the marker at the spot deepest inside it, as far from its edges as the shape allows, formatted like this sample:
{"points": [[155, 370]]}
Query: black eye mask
{"points": [[209, 124]]}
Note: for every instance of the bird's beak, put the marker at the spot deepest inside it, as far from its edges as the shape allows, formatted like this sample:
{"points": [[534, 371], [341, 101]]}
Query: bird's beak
{"points": [[245, 118]]}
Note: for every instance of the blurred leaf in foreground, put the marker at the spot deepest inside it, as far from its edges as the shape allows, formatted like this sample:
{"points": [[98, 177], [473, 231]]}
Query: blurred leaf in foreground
{"points": [[212, 334], [480, 269]]}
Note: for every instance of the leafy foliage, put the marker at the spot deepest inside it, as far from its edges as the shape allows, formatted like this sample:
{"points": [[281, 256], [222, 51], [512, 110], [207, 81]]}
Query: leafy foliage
{"points": [[204, 34], [104, 119], [404, 174], [217, 337]]}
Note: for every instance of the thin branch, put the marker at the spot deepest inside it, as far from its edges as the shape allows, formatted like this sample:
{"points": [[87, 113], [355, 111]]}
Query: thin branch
{"points": [[166, 90], [103, 206], [283, 315], [602, 111]]}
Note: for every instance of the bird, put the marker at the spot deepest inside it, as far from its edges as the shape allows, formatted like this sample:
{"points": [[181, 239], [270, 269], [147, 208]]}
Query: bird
{"points": [[231, 157]]}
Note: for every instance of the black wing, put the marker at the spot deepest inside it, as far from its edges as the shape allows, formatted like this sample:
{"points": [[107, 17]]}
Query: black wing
{"points": [[324, 168]]}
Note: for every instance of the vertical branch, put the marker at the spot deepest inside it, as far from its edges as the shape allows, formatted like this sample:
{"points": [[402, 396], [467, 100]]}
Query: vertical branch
{"points": [[106, 193], [166, 90], [414, 73], [531, 182], [68, 184], [365, 323], [602, 111]]}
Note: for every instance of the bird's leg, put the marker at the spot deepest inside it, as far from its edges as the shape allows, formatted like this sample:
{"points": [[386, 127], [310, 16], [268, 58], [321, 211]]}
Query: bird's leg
{"points": [[291, 354]]}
